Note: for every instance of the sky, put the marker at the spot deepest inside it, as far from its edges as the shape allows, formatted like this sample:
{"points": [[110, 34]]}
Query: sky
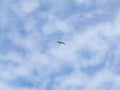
{"points": [[30, 58]]}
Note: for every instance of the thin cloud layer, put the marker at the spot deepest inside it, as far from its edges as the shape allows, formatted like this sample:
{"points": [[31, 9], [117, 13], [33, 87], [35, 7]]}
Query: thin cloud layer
{"points": [[30, 58]]}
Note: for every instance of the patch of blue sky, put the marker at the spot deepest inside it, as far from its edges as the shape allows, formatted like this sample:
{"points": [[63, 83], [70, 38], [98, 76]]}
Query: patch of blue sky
{"points": [[109, 5], [36, 18], [52, 72], [45, 6], [109, 57], [74, 87], [5, 4], [7, 46], [12, 23], [114, 64], [65, 70], [102, 14], [84, 22], [55, 36], [72, 9], [40, 18], [87, 53], [23, 82], [21, 51], [112, 60], [7, 64], [91, 70], [107, 85]]}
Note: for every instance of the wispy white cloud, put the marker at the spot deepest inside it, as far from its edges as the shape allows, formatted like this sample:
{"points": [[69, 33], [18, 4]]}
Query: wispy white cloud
{"points": [[30, 59], [56, 25], [83, 1], [28, 6]]}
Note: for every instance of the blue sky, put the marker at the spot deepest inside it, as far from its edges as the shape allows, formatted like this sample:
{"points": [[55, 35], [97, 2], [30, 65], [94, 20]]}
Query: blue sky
{"points": [[30, 59]]}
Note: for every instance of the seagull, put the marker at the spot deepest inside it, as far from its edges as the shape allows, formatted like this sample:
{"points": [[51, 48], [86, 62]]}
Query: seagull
{"points": [[60, 42]]}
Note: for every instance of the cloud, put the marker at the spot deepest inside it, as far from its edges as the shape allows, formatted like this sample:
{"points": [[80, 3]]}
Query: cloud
{"points": [[83, 1], [30, 59], [29, 6], [56, 25]]}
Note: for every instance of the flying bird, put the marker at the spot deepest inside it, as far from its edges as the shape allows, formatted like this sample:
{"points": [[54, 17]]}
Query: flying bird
{"points": [[60, 42]]}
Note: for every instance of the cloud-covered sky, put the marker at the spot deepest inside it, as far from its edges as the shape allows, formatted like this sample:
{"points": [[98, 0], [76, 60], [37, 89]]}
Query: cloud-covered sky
{"points": [[30, 59]]}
